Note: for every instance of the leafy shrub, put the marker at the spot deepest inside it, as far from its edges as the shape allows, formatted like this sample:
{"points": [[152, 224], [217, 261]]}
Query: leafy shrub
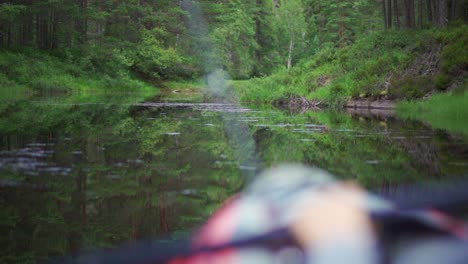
{"points": [[410, 87], [153, 60], [442, 81], [455, 53]]}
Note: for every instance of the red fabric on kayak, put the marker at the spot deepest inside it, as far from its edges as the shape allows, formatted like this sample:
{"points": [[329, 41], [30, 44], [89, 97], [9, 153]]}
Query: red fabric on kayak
{"points": [[218, 230]]}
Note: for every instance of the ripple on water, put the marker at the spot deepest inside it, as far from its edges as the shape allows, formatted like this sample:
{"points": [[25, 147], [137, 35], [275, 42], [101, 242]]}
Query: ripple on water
{"points": [[32, 161], [247, 168], [459, 164], [173, 134]]}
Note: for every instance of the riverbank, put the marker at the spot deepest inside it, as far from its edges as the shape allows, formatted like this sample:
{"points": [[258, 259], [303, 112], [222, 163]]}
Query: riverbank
{"points": [[385, 65], [443, 111], [32, 72]]}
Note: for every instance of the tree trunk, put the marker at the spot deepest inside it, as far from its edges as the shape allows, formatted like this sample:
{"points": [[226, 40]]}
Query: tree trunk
{"points": [[163, 219], [453, 10], [406, 19], [257, 30], [53, 42], [384, 11], [99, 27], [2, 37], [420, 13], [45, 31], [411, 14], [429, 10], [396, 13], [8, 35], [38, 31], [436, 12], [389, 13], [291, 48], [27, 33], [81, 23], [443, 13]]}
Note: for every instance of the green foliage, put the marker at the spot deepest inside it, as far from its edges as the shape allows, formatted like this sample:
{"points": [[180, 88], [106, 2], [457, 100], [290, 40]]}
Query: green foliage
{"points": [[442, 81], [410, 88], [339, 23], [371, 67], [293, 29], [38, 72], [234, 38], [104, 59], [444, 111], [153, 60], [9, 12], [334, 74], [455, 54]]}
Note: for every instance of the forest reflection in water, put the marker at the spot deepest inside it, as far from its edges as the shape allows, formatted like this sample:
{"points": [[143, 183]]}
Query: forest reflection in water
{"points": [[81, 176]]}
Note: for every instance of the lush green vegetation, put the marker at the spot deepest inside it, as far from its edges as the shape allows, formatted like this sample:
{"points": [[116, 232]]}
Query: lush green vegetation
{"points": [[82, 166], [328, 51], [379, 65], [32, 72], [443, 111]]}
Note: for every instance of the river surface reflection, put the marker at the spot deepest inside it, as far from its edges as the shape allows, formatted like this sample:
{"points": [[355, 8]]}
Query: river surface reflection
{"points": [[76, 176]]}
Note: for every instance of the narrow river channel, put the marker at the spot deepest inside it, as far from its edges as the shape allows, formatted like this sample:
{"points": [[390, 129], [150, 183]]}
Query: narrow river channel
{"points": [[77, 176]]}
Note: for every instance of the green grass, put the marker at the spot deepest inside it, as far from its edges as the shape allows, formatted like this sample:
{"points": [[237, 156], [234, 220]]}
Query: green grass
{"points": [[444, 111], [32, 72], [361, 69]]}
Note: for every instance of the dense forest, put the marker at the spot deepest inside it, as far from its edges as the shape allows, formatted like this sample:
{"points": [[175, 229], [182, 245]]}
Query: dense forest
{"points": [[85, 164], [150, 38], [307, 52]]}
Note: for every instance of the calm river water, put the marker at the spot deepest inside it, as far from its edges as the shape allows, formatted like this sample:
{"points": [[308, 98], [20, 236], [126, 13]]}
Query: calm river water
{"points": [[82, 175]]}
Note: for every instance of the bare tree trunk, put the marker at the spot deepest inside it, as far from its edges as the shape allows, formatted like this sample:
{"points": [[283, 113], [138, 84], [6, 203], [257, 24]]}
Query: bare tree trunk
{"points": [[420, 13], [45, 31], [384, 11], [429, 10], [396, 13], [389, 13], [8, 35], [99, 27], [291, 48], [42, 29], [443, 13], [26, 31], [436, 13], [453, 10], [2, 37], [54, 24], [411, 12], [81, 23], [405, 14], [163, 219], [38, 30], [257, 30]]}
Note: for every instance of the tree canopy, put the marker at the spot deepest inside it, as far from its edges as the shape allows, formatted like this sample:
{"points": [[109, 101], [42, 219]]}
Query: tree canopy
{"points": [[251, 38]]}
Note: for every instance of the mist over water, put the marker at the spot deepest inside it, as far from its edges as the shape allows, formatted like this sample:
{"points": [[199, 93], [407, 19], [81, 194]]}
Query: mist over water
{"points": [[217, 86]]}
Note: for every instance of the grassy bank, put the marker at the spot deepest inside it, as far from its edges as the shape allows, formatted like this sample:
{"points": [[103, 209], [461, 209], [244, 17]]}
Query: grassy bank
{"points": [[386, 64], [444, 111], [31, 72]]}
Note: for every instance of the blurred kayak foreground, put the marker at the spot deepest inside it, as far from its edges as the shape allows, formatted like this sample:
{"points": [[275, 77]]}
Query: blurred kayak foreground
{"points": [[296, 214]]}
